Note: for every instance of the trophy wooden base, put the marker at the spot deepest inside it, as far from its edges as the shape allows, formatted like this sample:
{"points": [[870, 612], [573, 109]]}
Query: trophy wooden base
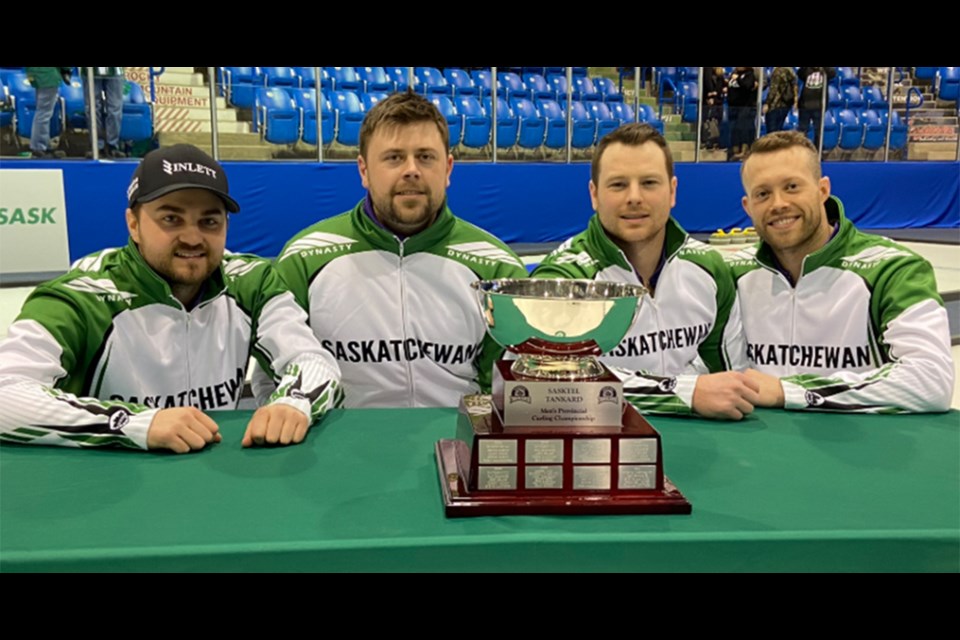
{"points": [[492, 470]]}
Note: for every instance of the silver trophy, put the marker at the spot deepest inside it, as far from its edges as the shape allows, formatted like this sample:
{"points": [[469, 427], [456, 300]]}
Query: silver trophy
{"points": [[555, 435], [558, 327]]}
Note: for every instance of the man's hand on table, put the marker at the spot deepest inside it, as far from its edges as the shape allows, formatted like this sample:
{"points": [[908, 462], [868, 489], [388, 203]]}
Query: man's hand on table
{"points": [[182, 430], [771, 391], [276, 424], [729, 395]]}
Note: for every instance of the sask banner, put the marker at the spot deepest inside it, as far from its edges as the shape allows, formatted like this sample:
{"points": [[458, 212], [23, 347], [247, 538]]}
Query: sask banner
{"points": [[33, 222]]}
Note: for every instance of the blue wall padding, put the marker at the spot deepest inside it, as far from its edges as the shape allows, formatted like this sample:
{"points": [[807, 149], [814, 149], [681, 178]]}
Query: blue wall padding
{"points": [[518, 202]]}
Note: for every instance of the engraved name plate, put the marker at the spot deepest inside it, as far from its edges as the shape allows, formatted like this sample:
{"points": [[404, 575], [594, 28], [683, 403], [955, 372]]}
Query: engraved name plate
{"points": [[544, 477], [498, 451], [591, 451], [638, 450], [591, 478], [544, 452], [493, 478], [637, 477], [562, 404]]}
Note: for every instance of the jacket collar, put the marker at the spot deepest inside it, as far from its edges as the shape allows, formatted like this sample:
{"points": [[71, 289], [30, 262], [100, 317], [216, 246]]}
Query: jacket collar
{"points": [[152, 285], [382, 238], [825, 254], [597, 236]]}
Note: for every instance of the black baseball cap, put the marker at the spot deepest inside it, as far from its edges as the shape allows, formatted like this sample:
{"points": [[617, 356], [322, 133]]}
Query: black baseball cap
{"points": [[179, 166]]}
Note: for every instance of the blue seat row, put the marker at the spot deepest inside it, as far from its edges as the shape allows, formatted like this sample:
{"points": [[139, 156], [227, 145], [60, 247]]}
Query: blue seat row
{"points": [[284, 116], [850, 129], [70, 111], [240, 83]]}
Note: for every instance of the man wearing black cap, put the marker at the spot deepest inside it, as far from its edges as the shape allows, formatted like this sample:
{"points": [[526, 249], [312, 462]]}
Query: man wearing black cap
{"points": [[134, 345]]}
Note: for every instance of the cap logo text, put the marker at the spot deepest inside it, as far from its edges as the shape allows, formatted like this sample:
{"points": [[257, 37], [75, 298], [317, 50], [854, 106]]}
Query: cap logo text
{"points": [[170, 168]]}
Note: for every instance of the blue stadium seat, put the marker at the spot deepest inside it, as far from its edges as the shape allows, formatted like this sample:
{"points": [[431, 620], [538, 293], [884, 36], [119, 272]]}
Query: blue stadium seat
{"points": [[6, 108], [606, 122], [874, 130], [460, 82], [874, 98], [948, 83], [608, 90], [449, 111], [369, 100], [476, 124], [275, 116], [847, 76], [483, 82], [649, 116], [349, 111], [852, 98], [556, 122], [6, 73], [345, 79], [508, 127], [584, 126], [898, 131], [792, 121], [925, 73], [851, 130], [241, 84], [308, 78], [74, 105], [430, 81], [584, 90], [559, 85], [19, 86], [137, 121], [538, 87], [623, 112], [533, 126], [400, 77], [375, 80], [689, 101], [834, 98], [511, 85], [306, 102], [831, 131], [280, 77]]}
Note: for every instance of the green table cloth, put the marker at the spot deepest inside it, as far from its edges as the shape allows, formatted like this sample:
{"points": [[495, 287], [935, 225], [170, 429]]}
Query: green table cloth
{"points": [[780, 491]]}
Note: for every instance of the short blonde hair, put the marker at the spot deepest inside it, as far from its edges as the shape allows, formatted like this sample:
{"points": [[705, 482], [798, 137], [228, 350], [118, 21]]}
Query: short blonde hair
{"points": [[780, 140]]}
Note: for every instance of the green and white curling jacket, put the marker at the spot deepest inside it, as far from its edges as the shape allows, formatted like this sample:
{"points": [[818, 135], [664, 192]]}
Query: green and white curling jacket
{"points": [[400, 316], [864, 329], [690, 326], [97, 352]]}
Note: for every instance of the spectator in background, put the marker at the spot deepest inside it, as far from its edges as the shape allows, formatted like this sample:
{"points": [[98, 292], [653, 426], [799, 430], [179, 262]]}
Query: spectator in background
{"points": [[811, 99], [108, 86], [714, 92], [742, 100], [781, 98], [46, 81]]}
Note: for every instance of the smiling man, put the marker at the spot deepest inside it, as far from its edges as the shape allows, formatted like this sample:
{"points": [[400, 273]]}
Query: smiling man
{"points": [[835, 319], [676, 357], [135, 346], [387, 284]]}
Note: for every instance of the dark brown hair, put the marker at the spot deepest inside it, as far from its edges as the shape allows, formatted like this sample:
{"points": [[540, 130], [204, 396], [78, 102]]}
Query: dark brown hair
{"points": [[633, 135], [402, 109]]}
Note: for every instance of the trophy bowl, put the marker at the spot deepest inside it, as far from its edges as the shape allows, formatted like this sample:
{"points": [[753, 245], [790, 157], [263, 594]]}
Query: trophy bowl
{"points": [[558, 327]]}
